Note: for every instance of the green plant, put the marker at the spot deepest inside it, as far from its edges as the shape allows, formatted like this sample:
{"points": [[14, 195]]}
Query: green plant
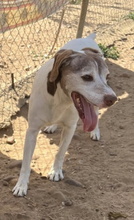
{"points": [[130, 15], [109, 51]]}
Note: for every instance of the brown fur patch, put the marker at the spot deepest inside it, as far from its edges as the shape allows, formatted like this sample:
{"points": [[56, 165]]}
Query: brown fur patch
{"points": [[59, 58], [54, 75], [52, 86], [88, 49]]}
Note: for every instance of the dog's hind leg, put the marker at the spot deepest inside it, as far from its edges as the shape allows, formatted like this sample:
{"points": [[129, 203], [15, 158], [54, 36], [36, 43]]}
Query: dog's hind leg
{"points": [[55, 173]]}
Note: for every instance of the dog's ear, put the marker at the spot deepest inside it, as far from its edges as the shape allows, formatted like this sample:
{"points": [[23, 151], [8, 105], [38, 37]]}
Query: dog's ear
{"points": [[92, 51], [59, 58], [53, 76]]}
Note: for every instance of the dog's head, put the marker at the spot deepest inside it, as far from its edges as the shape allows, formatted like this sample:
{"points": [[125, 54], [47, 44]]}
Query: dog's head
{"points": [[83, 77]]}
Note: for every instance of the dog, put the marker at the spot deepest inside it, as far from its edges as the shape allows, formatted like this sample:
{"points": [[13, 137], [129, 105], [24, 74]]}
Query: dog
{"points": [[70, 86]]}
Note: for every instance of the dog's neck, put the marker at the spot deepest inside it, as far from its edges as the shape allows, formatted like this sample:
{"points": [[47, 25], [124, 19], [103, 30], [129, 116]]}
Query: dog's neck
{"points": [[61, 96]]}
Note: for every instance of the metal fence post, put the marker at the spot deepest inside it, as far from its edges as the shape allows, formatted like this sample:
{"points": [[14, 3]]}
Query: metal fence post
{"points": [[82, 18]]}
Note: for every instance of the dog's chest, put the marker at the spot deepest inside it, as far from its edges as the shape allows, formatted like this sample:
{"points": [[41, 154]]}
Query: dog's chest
{"points": [[59, 112]]}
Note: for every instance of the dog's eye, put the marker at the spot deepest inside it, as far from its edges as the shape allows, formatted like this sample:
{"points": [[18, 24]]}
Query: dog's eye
{"points": [[87, 78]]}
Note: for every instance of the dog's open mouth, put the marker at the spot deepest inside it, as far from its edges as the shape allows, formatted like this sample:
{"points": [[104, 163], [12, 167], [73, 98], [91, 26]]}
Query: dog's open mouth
{"points": [[85, 111]]}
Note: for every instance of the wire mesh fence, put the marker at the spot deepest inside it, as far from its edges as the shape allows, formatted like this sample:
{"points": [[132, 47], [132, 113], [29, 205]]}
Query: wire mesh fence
{"points": [[31, 32], [25, 47]]}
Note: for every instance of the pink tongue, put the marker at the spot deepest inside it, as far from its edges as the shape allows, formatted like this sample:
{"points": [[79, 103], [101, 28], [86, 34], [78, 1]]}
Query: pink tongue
{"points": [[90, 119]]}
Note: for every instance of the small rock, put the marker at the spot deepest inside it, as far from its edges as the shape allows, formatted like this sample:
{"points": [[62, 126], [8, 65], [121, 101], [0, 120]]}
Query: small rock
{"points": [[27, 68], [67, 203], [116, 215], [119, 87], [74, 183], [4, 135], [10, 140], [15, 164], [113, 154], [21, 102], [102, 145], [125, 75], [5, 183], [121, 127], [22, 216], [44, 177], [59, 195], [9, 178], [51, 141], [2, 65]]}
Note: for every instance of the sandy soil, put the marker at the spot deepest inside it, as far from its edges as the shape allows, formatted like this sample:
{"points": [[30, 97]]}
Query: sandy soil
{"points": [[99, 176]]}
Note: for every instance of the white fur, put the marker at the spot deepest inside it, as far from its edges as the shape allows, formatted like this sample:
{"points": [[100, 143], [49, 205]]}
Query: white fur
{"points": [[45, 109]]}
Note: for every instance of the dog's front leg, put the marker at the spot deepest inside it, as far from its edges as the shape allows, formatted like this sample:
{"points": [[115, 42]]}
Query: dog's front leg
{"points": [[56, 173], [20, 188], [95, 134]]}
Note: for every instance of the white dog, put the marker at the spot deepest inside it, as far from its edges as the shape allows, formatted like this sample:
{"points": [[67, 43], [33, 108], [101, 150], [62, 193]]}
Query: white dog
{"points": [[71, 85]]}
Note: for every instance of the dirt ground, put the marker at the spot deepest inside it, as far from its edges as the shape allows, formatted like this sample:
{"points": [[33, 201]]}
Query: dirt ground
{"points": [[99, 176]]}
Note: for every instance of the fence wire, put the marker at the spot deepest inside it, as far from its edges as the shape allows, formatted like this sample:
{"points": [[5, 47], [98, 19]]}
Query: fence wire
{"points": [[32, 31]]}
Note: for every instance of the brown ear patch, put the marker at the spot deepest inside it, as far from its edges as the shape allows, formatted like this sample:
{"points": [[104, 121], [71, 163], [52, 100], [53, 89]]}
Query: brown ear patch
{"points": [[93, 51], [52, 86], [54, 75], [88, 49], [59, 58]]}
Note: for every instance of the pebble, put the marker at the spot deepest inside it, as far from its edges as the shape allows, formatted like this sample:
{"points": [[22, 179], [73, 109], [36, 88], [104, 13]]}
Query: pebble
{"points": [[119, 87], [2, 66], [125, 75], [51, 141], [10, 140], [67, 203], [21, 102], [74, 183], [27, 68], [16, 163], [121, 127], [9, 178], [113, 154], [60, 196], [4, 135], [5, 183], [22, 216]]}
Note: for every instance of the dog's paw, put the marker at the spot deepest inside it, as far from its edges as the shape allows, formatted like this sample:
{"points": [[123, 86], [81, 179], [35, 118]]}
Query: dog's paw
{"points": [[20, 189], [55, 175], [50, 129], [95, 134]]}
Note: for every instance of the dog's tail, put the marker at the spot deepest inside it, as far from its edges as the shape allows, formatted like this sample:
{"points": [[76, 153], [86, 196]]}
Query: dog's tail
{"points": [[93, 36]]}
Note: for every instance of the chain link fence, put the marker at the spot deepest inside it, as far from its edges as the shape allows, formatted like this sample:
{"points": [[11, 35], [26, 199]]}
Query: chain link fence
{"points": [[31, 31]]}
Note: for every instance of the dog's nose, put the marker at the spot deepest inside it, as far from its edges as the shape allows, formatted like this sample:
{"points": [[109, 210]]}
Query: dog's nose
{"points": [[110, 100]]}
